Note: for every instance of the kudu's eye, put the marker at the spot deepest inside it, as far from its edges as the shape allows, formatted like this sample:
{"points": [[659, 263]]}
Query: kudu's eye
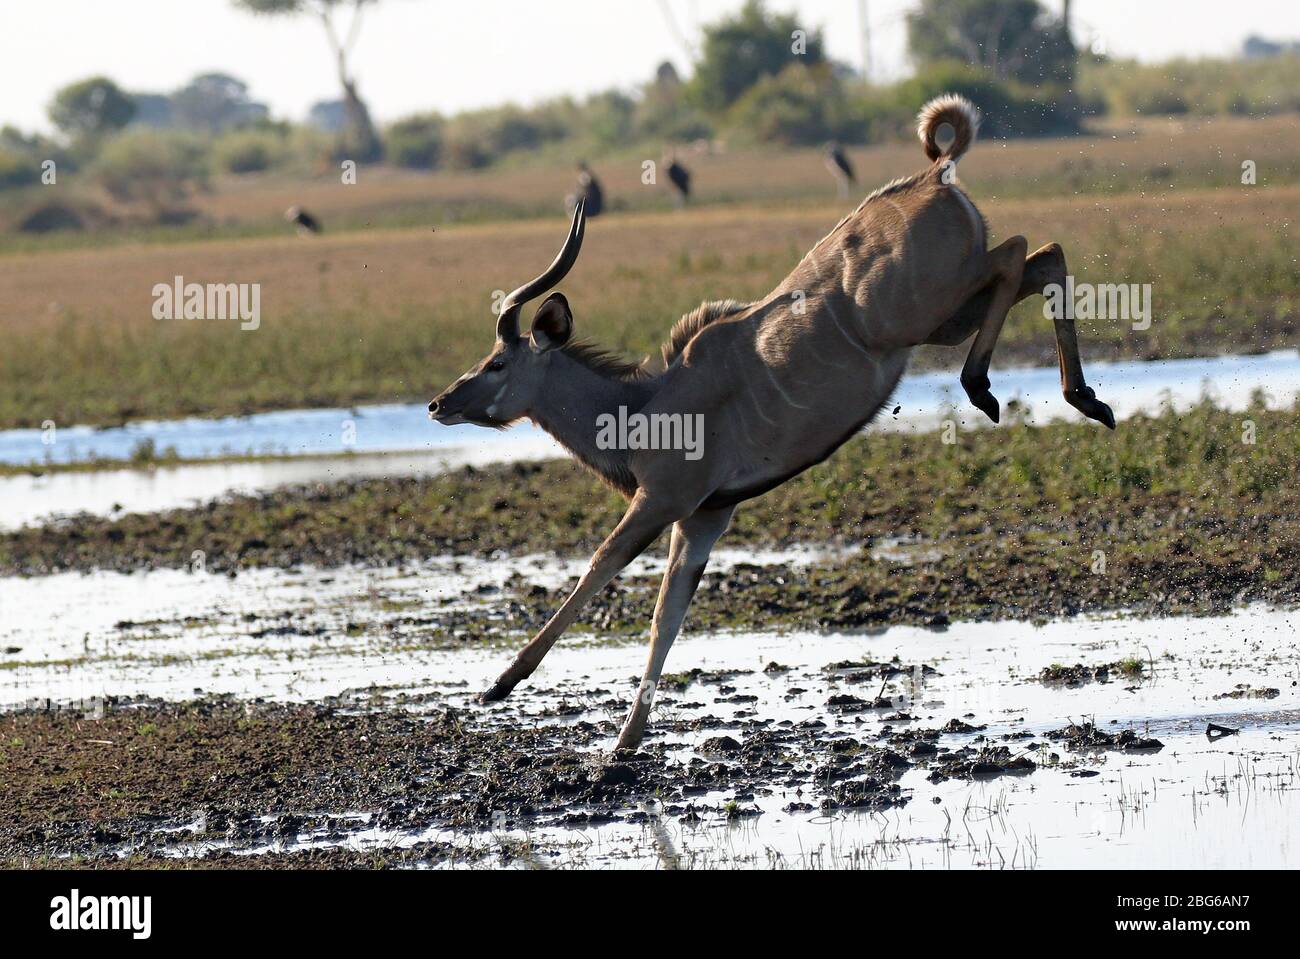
{"points": [[496, 366]]}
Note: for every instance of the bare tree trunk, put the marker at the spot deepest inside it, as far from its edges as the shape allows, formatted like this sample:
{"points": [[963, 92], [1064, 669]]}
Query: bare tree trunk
{"points": [[360, 141]]}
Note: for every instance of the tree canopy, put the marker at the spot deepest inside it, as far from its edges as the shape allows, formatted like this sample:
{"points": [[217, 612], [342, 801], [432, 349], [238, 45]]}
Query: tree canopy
{"points": [[1012, 39], [741, 50], [90, 108]]}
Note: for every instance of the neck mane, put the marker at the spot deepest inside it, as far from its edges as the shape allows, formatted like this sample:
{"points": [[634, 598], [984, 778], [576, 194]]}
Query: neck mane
{"points": [[582, 383]]}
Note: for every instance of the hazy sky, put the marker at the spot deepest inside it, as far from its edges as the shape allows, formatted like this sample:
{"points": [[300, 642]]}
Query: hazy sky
{"points": [[454, 54]]}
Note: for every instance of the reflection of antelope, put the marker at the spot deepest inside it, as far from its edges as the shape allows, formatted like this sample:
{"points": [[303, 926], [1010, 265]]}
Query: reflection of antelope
{"points": [[781, 383]]}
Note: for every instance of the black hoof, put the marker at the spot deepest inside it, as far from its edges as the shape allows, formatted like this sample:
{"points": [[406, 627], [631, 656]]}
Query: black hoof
{"points": [[1086, 402], [499, 691], [987, 403]]}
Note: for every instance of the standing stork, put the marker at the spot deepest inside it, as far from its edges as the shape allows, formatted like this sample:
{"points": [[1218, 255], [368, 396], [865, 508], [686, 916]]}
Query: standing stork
{"points": [[837, 162], [680, 179], [304, 221], [588, 192]]}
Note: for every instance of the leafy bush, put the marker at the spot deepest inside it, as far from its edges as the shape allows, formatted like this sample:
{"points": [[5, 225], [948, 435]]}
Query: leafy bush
{"points": [[17, 169], [248, 151], [664, 112], [1009, 109], [609, 118], [1240, 87], [416, 141], [801, 105], [739, 51], [151, 167], [479, 138]]}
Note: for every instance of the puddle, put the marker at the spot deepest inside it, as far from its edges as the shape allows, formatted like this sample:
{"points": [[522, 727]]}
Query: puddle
{"points": [[168, 632], [30, 499], [316, 437], [1210, 803]]}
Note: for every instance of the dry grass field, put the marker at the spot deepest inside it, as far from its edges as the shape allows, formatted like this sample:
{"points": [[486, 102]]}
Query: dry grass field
{"points": [[394, 312], [1116, 156]]}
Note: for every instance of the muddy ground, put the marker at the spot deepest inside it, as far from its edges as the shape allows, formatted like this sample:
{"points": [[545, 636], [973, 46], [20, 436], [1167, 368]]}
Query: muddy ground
{"points": [[997, 744], [155, 783]]}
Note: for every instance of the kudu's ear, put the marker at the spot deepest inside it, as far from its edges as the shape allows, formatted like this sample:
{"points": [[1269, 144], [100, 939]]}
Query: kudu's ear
{"points": [[552, 324]]}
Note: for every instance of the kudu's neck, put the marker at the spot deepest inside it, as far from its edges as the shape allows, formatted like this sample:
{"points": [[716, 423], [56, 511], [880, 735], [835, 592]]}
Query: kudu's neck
{"points": [[570, 403]]}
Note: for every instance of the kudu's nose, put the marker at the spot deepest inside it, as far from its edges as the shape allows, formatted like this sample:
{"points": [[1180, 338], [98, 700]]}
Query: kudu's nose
{"points": [[433, 406]]}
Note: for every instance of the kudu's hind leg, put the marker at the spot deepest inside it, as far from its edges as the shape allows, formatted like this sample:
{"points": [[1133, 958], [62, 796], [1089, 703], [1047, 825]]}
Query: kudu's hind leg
{"points": [[639, 527], [1006, 264], [1077, 393], [693, 540], [1044, 267]]}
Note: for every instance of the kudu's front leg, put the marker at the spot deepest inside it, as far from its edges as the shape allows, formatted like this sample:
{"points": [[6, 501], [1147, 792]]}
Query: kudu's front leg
{"points": [[639, 527], [693, 540]]}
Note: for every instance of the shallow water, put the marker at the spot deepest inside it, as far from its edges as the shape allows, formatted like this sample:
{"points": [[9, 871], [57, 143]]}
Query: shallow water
{"points": [[421, 448], [1228, 802], [31, 499], [923, 399]]}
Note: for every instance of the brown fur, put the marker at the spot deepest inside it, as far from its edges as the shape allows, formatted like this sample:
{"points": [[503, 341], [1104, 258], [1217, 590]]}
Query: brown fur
{"points": [[957, 112], [605, 362], [684, 330]]}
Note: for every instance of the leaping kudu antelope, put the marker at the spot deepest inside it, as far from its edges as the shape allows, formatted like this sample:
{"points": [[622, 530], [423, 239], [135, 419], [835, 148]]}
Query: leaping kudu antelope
{"points": [[781, 383]]}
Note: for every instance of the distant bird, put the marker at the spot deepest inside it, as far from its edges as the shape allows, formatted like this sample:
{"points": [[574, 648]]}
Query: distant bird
{"points": [[837, 162], [589, 190], [304, 221], [680, 178]]}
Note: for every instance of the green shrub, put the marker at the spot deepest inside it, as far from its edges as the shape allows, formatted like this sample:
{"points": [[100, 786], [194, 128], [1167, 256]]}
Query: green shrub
{"points": [[416, 141], [17, 169], [151, 167], [609, 118], [476, 139], [1009, 109], [1240, 87], [248, 151]]}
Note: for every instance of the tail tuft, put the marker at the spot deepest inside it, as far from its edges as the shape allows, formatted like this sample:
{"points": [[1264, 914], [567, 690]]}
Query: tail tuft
{"points": [[956, 111]]}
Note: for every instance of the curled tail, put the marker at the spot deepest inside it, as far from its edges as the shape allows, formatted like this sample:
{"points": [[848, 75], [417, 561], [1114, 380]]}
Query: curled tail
{"points": [[959, 114]]}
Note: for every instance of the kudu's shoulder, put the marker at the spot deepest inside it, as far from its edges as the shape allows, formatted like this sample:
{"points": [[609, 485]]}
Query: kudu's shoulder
{"points": [[685, 329]]}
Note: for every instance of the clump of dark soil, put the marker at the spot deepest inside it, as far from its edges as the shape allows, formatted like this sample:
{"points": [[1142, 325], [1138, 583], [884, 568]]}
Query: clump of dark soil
{"points": [[985, 762], [1087, 736], [1079, 674], [1244, 691]]}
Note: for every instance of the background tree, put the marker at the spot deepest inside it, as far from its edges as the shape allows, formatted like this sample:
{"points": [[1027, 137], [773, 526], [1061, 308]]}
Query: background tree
{"points": [[741, 50], [662, 111], [361, 142], [213, 102], [1012, 39], [91, 108]]}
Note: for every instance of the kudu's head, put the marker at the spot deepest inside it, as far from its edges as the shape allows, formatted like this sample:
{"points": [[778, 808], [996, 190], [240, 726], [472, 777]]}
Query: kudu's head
{"points": [[503, 386]]}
